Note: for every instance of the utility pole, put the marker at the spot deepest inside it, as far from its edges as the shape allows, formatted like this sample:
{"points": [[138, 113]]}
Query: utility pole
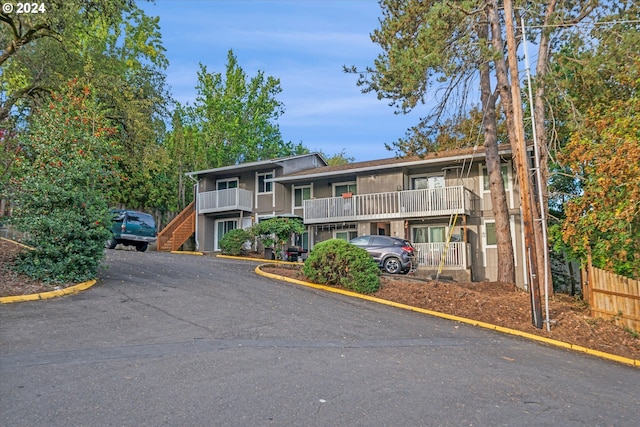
{"points": [[543, 215], [522, 169]]}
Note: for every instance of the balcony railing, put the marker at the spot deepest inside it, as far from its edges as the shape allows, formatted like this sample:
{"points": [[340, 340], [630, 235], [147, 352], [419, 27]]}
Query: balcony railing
{"points": [[455, 255], [391, 205], [225, 200]]}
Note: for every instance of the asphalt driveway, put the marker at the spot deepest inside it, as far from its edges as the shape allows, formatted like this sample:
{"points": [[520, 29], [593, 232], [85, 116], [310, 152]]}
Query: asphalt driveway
{"points": [[166, 339]]}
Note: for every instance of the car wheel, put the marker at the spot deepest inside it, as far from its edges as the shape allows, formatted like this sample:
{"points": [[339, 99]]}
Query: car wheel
{"points": [[141, 247], [392, 265], [111, 243]]}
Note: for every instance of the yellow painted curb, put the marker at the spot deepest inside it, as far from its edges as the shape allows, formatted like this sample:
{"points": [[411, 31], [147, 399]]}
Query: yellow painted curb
{"points": [[187, 252], [71, 290], [18, 243], [549, 341]]}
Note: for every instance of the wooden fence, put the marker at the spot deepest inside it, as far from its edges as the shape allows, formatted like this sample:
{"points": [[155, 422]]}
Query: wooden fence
{"points": [[611, 296]]}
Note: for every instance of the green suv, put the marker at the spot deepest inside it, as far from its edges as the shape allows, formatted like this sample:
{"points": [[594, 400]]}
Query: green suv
{"points": [[132, 228]]}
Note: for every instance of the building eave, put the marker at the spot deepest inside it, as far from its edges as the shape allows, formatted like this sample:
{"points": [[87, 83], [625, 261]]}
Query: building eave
{"points": [[393, 164]]}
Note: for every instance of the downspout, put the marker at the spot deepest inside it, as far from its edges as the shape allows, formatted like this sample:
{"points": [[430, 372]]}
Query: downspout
{"points": [[196, 189]]}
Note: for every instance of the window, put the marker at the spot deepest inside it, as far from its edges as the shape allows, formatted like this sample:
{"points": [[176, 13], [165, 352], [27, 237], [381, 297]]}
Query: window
{"points": [[145, 220], [300, 194], [346, 235], [224, 184], [504, 170], [302, 240], [427, 182], [344, 187], [265, 186], [491, 239], [380, 241], [437, 234], [361, 241]]}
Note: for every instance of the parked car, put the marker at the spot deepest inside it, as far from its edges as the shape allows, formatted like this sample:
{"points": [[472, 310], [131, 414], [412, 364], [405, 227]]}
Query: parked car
{"points": [[132, 228], [392, 254]]}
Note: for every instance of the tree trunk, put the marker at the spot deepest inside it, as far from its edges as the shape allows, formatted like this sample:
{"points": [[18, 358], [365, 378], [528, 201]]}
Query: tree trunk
{"points": [[500, 208], [572, 279]]}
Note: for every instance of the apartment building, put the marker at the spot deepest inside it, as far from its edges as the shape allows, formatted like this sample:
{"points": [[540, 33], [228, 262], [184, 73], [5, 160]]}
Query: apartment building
{"points": [[440, 202]]}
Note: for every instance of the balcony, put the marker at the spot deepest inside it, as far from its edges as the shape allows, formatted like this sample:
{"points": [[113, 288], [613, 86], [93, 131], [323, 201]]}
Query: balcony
{"points": [[392, 205], [230, 199], [455, 255]]}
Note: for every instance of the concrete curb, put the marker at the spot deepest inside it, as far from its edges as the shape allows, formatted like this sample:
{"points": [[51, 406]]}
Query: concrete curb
{"points": [[549, 341], [71, 290]]}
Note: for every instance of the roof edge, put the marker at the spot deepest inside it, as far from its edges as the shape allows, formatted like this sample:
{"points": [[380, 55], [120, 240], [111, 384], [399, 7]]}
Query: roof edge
{"points": [[394, 163], [256, 164]]}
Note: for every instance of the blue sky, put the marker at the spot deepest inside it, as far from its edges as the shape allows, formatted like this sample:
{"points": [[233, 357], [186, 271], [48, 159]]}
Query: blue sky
{"points": [[304, 43]]}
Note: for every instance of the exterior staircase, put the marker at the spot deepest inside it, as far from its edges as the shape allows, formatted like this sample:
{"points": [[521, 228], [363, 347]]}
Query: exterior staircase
{"points": [[178, 231]]}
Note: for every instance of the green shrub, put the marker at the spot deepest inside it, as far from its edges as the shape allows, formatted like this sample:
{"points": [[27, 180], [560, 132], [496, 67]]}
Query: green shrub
{"points": [[233, 242], [338, 262], [63, 254], [65, 173]]}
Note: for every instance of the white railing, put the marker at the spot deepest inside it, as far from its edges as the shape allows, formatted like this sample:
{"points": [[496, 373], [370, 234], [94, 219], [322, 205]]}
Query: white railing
{"points": [[396, 204], [430, 255], [225, 200]]}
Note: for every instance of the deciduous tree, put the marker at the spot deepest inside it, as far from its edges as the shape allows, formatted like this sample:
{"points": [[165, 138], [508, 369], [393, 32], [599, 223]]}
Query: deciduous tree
{"points": [[233, 120], [40, 49], [110, 44], [234, 117], [600, 82]]}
